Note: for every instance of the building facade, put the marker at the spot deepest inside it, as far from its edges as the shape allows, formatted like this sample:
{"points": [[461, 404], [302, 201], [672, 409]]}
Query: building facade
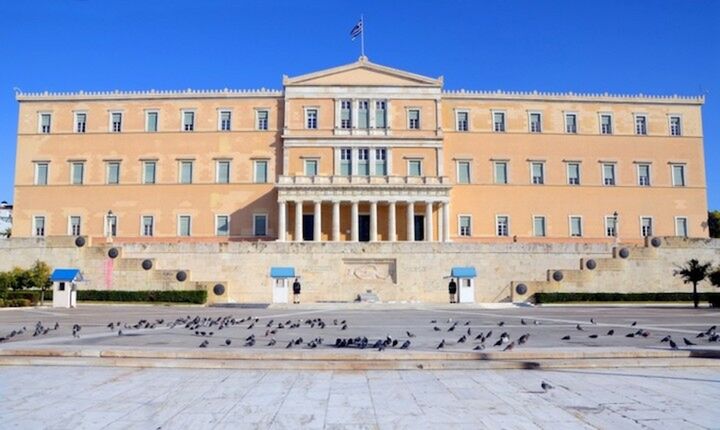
{"points": [[360, 152]]}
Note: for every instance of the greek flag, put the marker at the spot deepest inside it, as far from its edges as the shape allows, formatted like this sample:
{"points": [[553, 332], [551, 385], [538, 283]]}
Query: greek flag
{"points": [[357, 30]]}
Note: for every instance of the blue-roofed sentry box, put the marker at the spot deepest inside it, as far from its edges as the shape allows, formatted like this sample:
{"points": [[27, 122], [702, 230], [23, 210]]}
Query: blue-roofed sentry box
{"points": [[463, 272], [282, 272], [64, 287], [466, 283]]}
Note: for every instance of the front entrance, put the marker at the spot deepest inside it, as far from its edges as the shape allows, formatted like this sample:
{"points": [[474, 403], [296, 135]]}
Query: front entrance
{"points": [[280, 289], [419, 228], [467, 290], [364, 228], [308, 227]]}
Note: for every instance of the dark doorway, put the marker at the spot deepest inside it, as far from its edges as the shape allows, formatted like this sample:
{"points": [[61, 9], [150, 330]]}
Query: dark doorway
{"points": [[364, 228], [308, 227], [419, 228]]}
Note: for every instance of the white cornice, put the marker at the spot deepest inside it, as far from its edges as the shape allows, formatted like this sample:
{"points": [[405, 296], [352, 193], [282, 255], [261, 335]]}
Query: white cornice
{"points": [[149, 94], [571, 96]]}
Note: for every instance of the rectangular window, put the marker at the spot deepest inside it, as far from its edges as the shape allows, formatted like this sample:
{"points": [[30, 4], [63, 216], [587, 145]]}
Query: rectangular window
{"points": [[151, 122], [414, 119], [80, 121], [678, 175], [41, 173], [363, 114], [539, 226], [311, 119], [640, 124], [499, 122], [380, 114], [464, 224], [646, 228], [463, 172], [225, 120], [110, 226], [462, 121], [573, 172], [262, 119], [188, 120], [502, 225], [608, 174], [311, 167], [414, 167], [116, 122], [259, 225], [576, 226], [78, 173], [535, 122], [148, 225], [39, 226], [363, 165], [113, 173], [223, 172], [570, 123], [261, 173], [346, 114], [222, 225], [643, 175], [345, 161], [75, 226], [538, 173], [186, 172], [681, 226], [606, 126], [149, 168], [45, 122], [675, 126], [501, 172], [381, 162], [610, 226], [184, 225]]}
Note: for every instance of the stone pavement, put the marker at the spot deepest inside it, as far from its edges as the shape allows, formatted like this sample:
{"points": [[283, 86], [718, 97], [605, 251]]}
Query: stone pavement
{"points": [[120, 398]]}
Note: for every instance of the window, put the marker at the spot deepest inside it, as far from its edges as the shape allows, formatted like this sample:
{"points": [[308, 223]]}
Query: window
{"points": [[186, 172], [464, 224], [681, 226], [535, 122], [675, 126], [363, 165], [381, 162], [110, 226], [259, 225], [641, 124], [606, 126], [74, 226], [116, 122], [148, 225], [610, 226], [222, 225], [345, 161], [573, 172], [608, 174], [188, 120], [39, 226], [462, 121], [345, 114], [41, 173], [576, 226], [646, 226], [502, 225], [539, 226], [77, 173], [499, 122], [151, 122], [225, 120], [45, 122], [414, 167], [501, 172], [149, 168], [311, 119], [113, 172], [184, 225], [80, 121], [678, 175], [643, 175], [571, 123], [463, 172], [262, 119], [414, 119], [538, 173], [380, 114], [261, 173], [363, 114], [311, 167], [223, 172]]}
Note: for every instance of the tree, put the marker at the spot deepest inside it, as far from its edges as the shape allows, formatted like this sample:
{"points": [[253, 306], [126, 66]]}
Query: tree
{"points": [[39, 276], [7, 233], [714, 223], [714, 277], [693, 272]]}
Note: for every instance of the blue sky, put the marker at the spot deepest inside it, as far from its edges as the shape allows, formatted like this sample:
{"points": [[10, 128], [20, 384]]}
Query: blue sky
{"points": [[628, 46]]}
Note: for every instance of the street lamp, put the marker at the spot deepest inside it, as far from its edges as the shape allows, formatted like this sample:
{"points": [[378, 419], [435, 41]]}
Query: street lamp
{"points": [[109, 232], [617, 227]]}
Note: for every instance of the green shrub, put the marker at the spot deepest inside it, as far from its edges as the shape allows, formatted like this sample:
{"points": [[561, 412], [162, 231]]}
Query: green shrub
{"points": [[18, 303], [32, 296], [172, 296], [622, 297]]}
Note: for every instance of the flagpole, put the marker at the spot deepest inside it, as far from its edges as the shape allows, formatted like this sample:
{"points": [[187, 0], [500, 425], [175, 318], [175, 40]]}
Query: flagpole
{"points": [[362, 36]]}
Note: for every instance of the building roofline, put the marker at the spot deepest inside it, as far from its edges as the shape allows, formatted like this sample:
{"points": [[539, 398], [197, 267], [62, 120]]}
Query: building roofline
{"points": [[146, 94], [572, 96]]}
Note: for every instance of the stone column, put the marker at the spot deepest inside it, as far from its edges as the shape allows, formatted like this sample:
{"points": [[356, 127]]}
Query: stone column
{"points": [[441, 226], [298, 220], [428, 221], [410, 221], [282, 218], [336, 221], [317, 221], [354, 234], [446, 221], [391, 223], [373, 222]]}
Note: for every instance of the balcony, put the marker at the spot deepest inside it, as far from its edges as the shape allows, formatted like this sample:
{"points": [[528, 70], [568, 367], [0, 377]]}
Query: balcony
{"points": [[364, 180]]}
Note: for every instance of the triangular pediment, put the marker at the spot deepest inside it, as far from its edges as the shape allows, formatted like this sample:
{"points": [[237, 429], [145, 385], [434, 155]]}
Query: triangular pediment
{"points": [[362, 73]]}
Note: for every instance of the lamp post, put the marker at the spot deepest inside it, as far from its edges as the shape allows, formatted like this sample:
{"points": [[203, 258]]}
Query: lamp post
{"points": [[109, 232], [617, 227]]}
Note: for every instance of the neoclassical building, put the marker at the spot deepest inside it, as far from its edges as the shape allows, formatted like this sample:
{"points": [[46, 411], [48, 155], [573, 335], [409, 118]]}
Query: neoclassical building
{"points": [[360, 152]]}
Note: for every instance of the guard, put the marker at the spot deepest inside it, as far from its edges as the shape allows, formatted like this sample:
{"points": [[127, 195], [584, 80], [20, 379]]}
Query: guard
{"points": [[296, 291], [452, 289]]}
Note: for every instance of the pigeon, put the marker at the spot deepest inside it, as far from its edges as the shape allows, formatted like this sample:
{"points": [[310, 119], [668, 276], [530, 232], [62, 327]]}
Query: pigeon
{"points": [[480, 336], [478, 348], [501, 323], [469, 332], [290, 344], [665, 339], [523, 338], [433, 321], [546, 386], [579, 328], [630, 335], [687, 342], [405, 345], [228, 342], [510, 346], [488, 335], [462, 339], [700, 335], [344, 327], [272, 342], [467, 322], [452, 328], [204, 344], [611, 332], [634, 323], [120, 333], [593, 336], [441, 344], [522, 321], [57, 325], [498, 343], [409, 334], [567, 337], [592, 321], [673, 345], [436, 328]]}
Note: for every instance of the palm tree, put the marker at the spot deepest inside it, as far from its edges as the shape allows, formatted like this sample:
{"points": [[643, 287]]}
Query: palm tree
{"points": [[693, 272]]}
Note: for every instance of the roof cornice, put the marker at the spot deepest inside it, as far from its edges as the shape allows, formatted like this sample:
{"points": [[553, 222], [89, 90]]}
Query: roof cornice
{"points": [[149, 94], [571, 96]]}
